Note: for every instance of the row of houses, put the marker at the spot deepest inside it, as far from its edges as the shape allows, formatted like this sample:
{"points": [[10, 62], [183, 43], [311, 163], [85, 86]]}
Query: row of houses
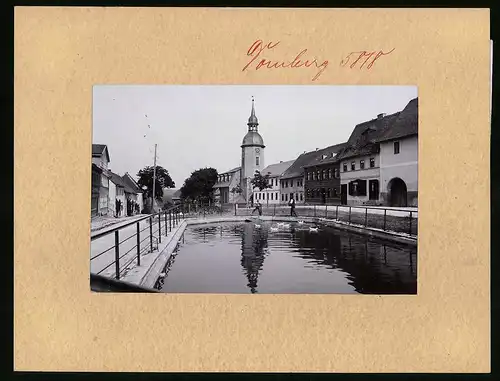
{"points": [[112, 194], [377, 165]]}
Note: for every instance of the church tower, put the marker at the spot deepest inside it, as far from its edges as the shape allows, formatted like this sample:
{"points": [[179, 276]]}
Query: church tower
{"points": [[252, 154]]}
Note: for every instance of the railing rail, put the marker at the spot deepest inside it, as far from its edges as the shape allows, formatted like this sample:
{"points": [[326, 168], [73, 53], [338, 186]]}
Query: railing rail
{"points": [[147, 239]]}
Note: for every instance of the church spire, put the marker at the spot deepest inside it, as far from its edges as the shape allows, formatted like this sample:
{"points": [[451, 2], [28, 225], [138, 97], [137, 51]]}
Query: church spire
{"points": [[253, 121]]}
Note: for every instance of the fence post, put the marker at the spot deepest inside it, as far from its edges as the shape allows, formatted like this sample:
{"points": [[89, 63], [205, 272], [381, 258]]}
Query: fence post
{"points": [[138, 245], [410, 223], [366, 217], [337, 213], [349, 215], [151, 233], [169, 220], [166, 224], [117, 255], [385, 215], [159, 227]]}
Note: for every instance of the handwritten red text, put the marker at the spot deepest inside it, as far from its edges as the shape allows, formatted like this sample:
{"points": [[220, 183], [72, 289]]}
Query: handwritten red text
{"points": [[258, 47], [362, 57]]}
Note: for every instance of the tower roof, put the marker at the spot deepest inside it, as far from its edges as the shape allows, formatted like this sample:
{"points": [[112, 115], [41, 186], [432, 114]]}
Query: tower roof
{"points": [[253, 138], [253, 118]]}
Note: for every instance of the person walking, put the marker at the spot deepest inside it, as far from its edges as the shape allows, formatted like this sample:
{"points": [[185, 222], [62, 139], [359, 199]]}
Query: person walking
{"points": [[292, 207], [258, 208]]}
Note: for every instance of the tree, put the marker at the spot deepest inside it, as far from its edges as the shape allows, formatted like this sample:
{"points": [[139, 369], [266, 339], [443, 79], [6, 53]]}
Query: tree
{"points": [[236, 190], [199, 185], [261, 182], [163, 180]]}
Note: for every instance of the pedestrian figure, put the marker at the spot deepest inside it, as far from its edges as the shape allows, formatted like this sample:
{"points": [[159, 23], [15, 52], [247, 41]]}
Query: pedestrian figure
{"points": [[292, 207], [258, 208]]}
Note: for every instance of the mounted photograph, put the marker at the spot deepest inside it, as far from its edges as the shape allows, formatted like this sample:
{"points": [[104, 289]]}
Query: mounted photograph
{"points": [[254, 189]]}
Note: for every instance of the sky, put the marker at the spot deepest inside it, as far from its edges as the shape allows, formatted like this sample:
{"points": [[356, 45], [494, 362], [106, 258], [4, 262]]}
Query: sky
{"points": [[203, 126]]}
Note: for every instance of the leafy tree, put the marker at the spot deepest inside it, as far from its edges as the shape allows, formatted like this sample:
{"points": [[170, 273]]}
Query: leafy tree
{"points": [[237, 189], [261, 182], [163, 180], [199, 185]]}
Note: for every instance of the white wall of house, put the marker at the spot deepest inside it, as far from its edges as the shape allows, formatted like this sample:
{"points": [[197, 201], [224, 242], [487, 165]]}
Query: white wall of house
{"points": [[222, 192], [120, 195], [111, 198], [293, 186], [140, 201], [270, 196], [403, 165], [367, 173]]}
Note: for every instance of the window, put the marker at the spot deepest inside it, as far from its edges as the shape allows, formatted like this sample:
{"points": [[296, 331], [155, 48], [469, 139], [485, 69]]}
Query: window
{"points": [[267, 195], [301, 197], [308, 176], [319, 175], [282, 197], [362, 164], [257, 161], [291, 183], [328, 193], [357, 188], [336, 173], [329, 173], [396, 148], [353, 165], [345, 167], [286, 197], [276, 196], [335, 194], [314, 175], [372, 162], [323, 174]]}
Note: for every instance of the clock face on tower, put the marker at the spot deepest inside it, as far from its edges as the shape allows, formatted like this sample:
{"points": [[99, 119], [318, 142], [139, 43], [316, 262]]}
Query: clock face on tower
{"points": [[257, 150]]}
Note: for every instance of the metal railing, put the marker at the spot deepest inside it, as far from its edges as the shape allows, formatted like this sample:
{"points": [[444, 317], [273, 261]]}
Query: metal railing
{"points": [[387, 219], [146, 238]]}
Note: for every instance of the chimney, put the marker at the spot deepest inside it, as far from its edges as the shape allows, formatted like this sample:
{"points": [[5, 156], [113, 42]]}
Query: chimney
{"points": [[380, 116], [281, 161]]}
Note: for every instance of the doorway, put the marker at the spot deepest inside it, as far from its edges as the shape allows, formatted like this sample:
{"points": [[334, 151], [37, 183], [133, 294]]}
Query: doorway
{"points": [[397, 192], [374, 190], [343, 194]]}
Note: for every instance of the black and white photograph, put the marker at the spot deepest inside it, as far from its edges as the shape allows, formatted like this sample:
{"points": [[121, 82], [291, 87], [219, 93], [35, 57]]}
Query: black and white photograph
{"points": [[285, 189]]}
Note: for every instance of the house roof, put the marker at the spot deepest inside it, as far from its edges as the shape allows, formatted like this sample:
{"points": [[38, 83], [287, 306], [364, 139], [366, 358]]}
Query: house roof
{"points": [[326, 155], [277, 169], [363, 139], [230, 171], [406, 124], [297, 168], [130, 184], [99, 149], [116, 179]]}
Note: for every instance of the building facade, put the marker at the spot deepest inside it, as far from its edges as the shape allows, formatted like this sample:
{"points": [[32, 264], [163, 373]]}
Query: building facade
{"points": [[272, 196], [399, 159], [293, 178], [322, 177], [100, 177], [117, 200], [379, 166], [227, 188]]}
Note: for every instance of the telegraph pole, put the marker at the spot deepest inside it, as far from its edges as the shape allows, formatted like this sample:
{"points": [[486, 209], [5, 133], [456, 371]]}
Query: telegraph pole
{"points": [[154, 183]]}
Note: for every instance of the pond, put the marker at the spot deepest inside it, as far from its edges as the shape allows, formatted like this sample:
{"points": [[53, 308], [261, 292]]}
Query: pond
{"points": [[264, 257]]}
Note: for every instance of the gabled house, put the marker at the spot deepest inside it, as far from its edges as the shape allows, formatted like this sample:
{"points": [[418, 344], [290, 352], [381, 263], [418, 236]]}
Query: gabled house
{"points": [[373, 168], [133, 194], [321, 176], [272, 195], [360, 162], [100, 180], [227, 186], [118, 202], [293, 178], [399, 159]]}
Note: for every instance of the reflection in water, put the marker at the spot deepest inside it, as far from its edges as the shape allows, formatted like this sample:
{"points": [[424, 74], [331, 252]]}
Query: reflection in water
{"points": [[242, 258]]}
